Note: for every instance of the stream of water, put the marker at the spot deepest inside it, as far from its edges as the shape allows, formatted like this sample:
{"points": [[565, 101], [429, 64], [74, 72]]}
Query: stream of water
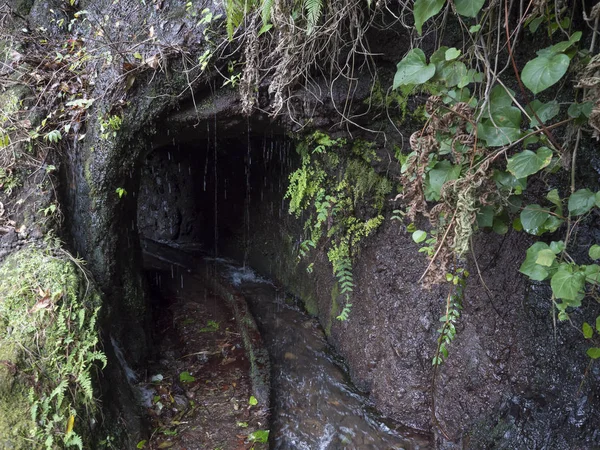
{"points": [[314, 404]]}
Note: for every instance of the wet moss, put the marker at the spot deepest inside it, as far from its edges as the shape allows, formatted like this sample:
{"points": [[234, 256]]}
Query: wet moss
{"points": [[49, 337]]}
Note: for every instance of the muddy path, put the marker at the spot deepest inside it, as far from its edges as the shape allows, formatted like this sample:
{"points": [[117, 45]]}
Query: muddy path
{"points": [[197, 390]]}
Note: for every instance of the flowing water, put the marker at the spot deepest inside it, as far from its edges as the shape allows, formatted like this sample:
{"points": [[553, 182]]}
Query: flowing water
{"points": [[314, 404]]}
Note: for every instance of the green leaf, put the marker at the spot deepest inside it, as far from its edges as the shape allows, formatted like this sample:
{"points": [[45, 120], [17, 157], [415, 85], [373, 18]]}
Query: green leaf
{"points": [[545, 111], [554, 198], [503, 128], [141, 444], [567, 284], [185, 377], [424, 10], [485, 216], [413, 69], [475, 28], [592, 273], [594, 252], [468, 8], [598, 324], [261, 436], [581, 201], [527, 163], [500, 226], [451, 54], [557, 246], [442, 172], [252, 401], [578, 109], [529, 267], [588, 331], [545, 257], [535, 23], [419, 236], [597, 201], [593, 352], [453, 73], [543, 71], [533, 217]]}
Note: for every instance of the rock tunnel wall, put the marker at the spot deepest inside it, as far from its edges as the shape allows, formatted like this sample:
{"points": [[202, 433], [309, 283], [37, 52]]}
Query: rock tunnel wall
{"points": [[512, 380]]}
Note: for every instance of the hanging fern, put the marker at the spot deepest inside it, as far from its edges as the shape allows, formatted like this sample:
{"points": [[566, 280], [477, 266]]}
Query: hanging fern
{"points": [[313, 10], [265, 11]]}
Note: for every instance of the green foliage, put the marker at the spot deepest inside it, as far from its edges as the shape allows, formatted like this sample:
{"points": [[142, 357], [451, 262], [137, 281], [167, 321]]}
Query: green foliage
{"points": [[51, 315], [185, 377], [260, 436], [424, 10], [413, 69], [455, 159], [335, 199], [109, 125], [447, 332]]}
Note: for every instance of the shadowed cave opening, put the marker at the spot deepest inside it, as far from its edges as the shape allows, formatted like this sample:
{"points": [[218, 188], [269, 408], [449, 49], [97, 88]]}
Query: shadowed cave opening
{"points": [[203, 193]]}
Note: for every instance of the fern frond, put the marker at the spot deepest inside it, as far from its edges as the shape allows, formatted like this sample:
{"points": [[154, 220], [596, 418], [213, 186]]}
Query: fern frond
{"points": [[265, 11], [313, 9]]}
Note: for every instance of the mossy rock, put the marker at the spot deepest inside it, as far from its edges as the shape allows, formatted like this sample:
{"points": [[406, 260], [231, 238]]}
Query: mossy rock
{"points": [[48, 351]]}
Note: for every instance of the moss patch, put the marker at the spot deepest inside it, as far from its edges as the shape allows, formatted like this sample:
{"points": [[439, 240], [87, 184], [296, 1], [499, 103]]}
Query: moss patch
{"points": [[48, 314]]}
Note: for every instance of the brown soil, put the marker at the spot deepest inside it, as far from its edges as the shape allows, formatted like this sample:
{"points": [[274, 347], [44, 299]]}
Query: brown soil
{"points": [[197, 335]]}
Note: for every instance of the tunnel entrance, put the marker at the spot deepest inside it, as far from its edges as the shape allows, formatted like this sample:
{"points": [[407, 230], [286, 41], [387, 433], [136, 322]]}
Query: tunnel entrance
{"points": [[204, 193], [223, 197]]}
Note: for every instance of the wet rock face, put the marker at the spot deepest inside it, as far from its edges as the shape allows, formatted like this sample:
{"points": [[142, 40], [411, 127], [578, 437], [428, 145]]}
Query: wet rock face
{"points": [[512, 380], [166, 209]]}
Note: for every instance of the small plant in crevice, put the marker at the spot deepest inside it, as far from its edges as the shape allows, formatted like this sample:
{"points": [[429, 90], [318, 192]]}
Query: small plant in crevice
{"points": [[452, 313], [343, 196]]}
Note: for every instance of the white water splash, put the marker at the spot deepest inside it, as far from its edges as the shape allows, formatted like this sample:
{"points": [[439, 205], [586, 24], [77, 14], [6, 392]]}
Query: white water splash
{"points": [[129, 373]]}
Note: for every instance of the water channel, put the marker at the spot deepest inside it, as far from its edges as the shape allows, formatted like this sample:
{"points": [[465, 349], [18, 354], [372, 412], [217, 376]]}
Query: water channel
{"points": [[314, 405]]}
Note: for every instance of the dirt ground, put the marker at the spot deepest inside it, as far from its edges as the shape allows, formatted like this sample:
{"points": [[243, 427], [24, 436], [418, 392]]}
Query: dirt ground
{"points": [[198, 388]]}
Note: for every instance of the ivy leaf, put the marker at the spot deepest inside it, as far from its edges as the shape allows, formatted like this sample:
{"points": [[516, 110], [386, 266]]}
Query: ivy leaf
{"points": [[442, 172], [468, 8], [413, 69], [424, 10], [545, 257], [593, 352], [594, 252], [185, 377], [419, 236], [581, 201], [592, 273], [485, 216], [451, 53], [454, 73], [554, 198], [567, 284], [252, 401], [578, 109], [529, 267], [557, 246], [533, 217], [588, 331], [598, 324], [543, 71], [545, 111], [527, 163], [504, 126]]}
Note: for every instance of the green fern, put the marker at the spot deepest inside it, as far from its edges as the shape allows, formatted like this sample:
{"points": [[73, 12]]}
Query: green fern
{"points": [[265, 11], [345, 312], [313, 10]]}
